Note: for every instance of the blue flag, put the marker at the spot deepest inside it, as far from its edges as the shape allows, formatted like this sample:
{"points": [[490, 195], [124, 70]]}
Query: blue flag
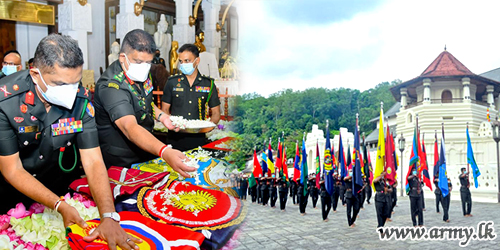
{"points": [[342, 163], [328, 164], [443, 180], [304, 171], [357, 182], [471, 160], [264, 163]]}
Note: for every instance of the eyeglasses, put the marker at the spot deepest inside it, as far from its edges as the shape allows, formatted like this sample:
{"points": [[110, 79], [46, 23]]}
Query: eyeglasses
{"points": [[10, 64]]}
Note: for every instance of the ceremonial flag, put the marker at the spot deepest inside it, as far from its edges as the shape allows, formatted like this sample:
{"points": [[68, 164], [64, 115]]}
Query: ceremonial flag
{"points": [[413, 159], [471, 160], [349, 159], [257, 170], [390, 167], [264, 162], [304, 172], [357, 182], [328, 163], [279, 160], [436, 156], [296, 168], [284, 167], [425, 168], [318, 167], [380, 162], [370, 169], [342, 163], [443, 179], [270, 161]]}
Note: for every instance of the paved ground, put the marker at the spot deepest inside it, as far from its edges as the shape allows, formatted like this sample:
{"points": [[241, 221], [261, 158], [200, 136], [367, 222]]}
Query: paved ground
{"points": [[267, 228]]}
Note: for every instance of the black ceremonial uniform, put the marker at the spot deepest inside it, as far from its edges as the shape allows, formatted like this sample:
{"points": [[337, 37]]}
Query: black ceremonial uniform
{"points": [[382, 205], [352, 203], [283, 190], [445, 201], [264, 191], [26, 127], [189, 102], [273, 192], [336, 192], [437, 192], [415, 201], [326, 200], [465, 194], [314, 191], [117, 96]]}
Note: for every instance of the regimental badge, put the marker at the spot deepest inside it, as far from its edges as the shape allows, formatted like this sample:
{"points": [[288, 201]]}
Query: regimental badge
{"points": [[328, 161], [90, 109], [202, 89], [30, 98], [113, 85], [67, 126], [27, 129], [179, 89], [33, 118], [24, 108], [178, 85], [4, 90], [86, 92], [15, 87], [18, 119]]}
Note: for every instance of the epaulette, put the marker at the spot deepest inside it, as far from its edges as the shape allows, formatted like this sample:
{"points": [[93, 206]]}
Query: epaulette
{"points": [[207, 77], [175, 76], [14, 84]]}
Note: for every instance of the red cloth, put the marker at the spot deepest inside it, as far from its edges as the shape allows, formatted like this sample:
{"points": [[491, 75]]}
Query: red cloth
{"points": [[155, 235], [122, 181]]}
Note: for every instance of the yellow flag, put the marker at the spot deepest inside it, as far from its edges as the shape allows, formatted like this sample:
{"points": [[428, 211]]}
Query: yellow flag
{"points": [[379, 166]]}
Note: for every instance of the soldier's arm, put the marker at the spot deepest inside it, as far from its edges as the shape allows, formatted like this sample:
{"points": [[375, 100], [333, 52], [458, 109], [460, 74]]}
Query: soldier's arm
{"points": [[215, 118]]}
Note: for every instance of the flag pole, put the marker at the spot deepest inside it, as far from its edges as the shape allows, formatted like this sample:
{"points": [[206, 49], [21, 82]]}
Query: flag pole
{"points": [[471, 146]]}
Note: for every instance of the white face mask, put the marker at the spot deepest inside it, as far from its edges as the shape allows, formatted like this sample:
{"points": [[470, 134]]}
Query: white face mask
{"points": [[137, 71], [63, 95]]}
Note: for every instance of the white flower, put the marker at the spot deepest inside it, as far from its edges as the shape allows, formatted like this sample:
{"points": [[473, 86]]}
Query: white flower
{"points": [[5, 242]]}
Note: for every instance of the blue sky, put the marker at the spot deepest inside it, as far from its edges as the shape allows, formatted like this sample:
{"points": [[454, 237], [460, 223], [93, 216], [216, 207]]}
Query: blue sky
{"points": [[359, 43]]}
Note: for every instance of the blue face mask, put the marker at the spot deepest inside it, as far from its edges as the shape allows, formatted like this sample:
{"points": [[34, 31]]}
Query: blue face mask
{"points": [[350, 173], [414, 172], [9, 69], [187, 68]]}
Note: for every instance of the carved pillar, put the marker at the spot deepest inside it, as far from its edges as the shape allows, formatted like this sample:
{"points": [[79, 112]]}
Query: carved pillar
{"points": [[211, 17], [126, 20], [466, 89], [427, 91], [75, 20], [183, 33], [490, 100], [404, 101]]}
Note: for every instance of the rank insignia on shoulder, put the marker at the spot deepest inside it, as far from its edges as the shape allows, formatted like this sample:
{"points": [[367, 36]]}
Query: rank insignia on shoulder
{"points": [[113, 85], [178, 89], [86, 92], [4, 90], [90, 109], [27, 129]]}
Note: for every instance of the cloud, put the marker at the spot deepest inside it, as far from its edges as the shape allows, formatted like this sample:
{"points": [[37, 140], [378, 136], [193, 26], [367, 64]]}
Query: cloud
{"points": [[361, 48]]}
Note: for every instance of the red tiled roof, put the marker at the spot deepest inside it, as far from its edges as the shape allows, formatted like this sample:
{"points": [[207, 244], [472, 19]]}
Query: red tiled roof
{"points": [[446, 65]]}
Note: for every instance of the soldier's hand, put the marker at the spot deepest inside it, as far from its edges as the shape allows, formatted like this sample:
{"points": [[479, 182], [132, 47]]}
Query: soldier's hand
{"points": [[174, 159], [168, 123], [111, 232], [71, 216]]}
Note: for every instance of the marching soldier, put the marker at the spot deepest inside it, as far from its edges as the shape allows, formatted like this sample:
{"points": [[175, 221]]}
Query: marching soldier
{"points": [[446, 202], [253, 191], [381, 202], [437, 192], [352, 201], [422, 195], [415, 199], [465, 193], [390, 200], [283, 190], [264, 190], [326, 201], [303, 195], [313, 190], [337, 183], [273, 190]]}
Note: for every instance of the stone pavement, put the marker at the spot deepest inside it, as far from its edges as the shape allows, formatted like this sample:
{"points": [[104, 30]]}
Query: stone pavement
{"points": [[267, 228]]}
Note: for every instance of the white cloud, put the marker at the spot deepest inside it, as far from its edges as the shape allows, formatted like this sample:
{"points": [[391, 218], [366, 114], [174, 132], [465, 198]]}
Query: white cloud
{"points": [[397, 40]]}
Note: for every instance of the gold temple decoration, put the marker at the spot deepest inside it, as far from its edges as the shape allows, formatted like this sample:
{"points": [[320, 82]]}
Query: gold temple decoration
{"points": [[27, 12], [218, 26], [192, 19], [82, 2], [138, 8]]}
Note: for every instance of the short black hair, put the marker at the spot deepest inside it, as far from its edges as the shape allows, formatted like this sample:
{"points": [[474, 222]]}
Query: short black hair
{"points": [[30, 60], [462, 169], [138, 40], [60, 49], [191, 48], [12, 51]]}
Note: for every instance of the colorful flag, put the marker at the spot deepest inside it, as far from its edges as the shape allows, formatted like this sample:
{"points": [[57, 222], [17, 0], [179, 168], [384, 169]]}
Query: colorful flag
{"points": [[357, 182], [471, 160], [370, 169], [342, 163], [303, 167], [436, 156], [296, 162], [318, 167], [257, 170], [270, 161], [413, 159], [390, 167], [264, 162], [328, 163], [349, 158], [279, 160], [284, 167], [380, 162], [443, 179], [425, 169]]}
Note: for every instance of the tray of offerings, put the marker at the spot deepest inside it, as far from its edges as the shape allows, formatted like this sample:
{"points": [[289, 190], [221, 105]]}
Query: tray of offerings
{"points": [[192, 126]]}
